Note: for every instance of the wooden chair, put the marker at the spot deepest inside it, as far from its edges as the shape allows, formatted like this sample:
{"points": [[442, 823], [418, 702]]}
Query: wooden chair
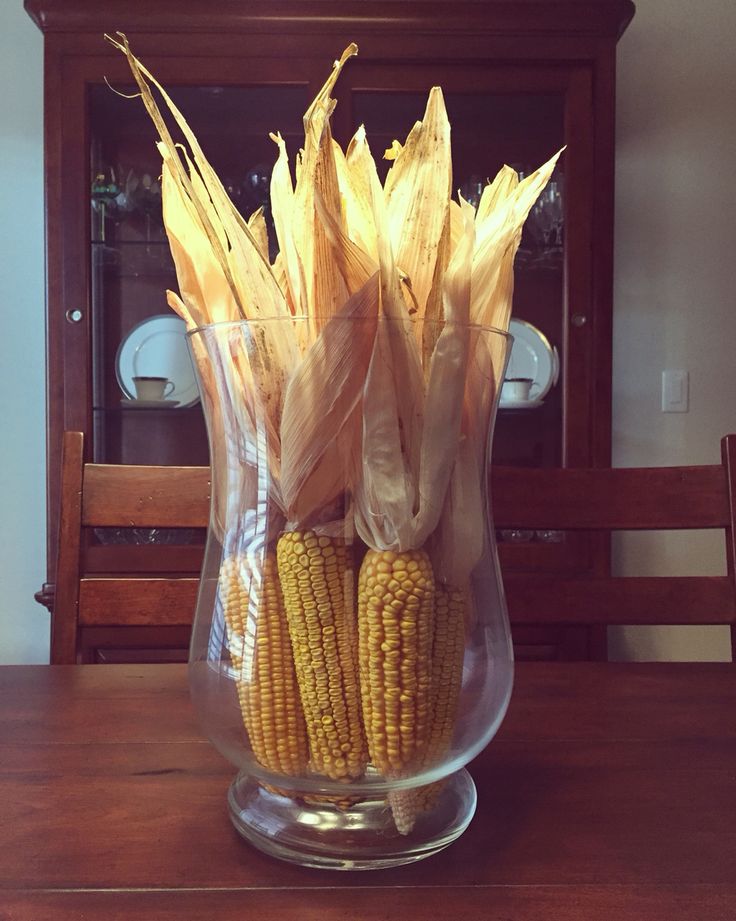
{"points": [[98, 495], [656, 498], [153, 609]]}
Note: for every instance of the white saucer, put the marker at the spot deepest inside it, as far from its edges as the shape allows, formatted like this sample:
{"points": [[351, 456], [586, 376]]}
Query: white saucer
{"points": [[149, 404], [157, 347], [534, 358], [519, 404]]}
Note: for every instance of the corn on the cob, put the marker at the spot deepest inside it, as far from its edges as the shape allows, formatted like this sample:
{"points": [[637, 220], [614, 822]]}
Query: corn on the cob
{"points": [[316, 575], [261, 652], [395, 626], [448, 649]]}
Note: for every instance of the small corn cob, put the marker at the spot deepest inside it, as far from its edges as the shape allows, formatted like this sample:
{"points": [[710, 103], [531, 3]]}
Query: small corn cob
{"points": [[261, 652], [448, 650], [395, 627], [317, 580]]}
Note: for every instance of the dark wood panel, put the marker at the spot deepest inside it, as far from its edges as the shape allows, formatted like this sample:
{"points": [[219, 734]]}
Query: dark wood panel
{"points": [[146, 496], [635, 600], [137, 602], [617, 498]]}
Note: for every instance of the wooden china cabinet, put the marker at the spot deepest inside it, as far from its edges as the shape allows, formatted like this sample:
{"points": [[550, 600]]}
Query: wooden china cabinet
{"points": [[521, 79]]}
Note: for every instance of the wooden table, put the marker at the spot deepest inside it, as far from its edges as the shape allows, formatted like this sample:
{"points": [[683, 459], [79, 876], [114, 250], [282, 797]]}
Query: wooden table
{"points": [[610, 793]]}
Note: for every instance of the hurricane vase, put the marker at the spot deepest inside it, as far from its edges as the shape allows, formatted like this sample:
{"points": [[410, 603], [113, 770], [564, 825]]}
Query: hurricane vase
{"points": [[349, 684]]}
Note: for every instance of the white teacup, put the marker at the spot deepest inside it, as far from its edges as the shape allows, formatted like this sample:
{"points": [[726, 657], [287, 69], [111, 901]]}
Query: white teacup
{"points": [[517, 388], [152, 388]]}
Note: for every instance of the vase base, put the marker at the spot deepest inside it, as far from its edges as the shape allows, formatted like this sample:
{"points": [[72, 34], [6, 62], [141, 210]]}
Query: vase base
{"points": [[353, 836]]}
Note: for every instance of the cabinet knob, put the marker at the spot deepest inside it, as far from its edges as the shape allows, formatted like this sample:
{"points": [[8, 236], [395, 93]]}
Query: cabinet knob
{"points": [[578, 319], [74, 316]]}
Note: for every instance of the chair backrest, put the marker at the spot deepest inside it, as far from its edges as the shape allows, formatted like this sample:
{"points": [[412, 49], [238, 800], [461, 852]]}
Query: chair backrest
{"points": [[610, 499], [101, 495]]}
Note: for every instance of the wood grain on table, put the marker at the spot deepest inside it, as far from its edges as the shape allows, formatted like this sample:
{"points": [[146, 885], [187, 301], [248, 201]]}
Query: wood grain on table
{"points": [[610, 792]]}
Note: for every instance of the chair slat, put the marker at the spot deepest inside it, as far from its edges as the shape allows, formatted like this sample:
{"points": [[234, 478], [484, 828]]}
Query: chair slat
{"points": [[137, 602], [621, 600], [620, 498], [141, 497]]}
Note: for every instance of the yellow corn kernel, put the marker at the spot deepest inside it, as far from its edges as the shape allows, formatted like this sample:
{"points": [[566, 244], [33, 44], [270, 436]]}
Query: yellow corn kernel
{"points": [[316, 575], [260, 649], [395, 628], [448, 650]]}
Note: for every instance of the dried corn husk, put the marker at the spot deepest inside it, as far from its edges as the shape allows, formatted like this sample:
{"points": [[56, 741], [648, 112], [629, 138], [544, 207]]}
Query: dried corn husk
{"points": [[395, 408]]}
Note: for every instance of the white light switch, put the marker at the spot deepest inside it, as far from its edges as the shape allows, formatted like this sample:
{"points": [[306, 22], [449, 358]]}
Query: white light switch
{"points": [[675, 391]]}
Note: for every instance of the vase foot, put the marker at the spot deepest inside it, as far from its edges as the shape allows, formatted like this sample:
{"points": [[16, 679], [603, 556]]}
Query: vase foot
{"points": [[358, 836]]}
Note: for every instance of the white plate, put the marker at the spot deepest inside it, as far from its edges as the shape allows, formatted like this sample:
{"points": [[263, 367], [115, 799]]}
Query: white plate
{"points": [[531, 356], [157, 347], [148, 404], [520, 404]]}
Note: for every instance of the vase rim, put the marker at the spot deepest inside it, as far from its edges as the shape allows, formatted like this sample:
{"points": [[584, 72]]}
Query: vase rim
{"points": [[222, 324]]}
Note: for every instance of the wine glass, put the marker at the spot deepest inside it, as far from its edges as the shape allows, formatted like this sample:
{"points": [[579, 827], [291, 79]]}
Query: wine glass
{"points": [[105, 191]]}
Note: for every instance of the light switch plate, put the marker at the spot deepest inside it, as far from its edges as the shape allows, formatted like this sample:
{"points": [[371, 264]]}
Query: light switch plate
{"points": [[675, 391]]}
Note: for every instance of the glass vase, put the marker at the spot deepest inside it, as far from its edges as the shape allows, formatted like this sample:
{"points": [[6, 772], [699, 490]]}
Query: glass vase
{"points": [[349, 677]]}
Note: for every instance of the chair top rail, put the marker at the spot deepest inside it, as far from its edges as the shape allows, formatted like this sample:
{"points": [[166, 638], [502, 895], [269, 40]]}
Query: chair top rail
{"points": [[619, 498], [139, 497]]}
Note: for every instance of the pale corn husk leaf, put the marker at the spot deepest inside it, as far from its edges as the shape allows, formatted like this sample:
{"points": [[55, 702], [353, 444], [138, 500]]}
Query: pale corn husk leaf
{"points": [[322, 394], [459, 541], [203, 284], [249, 275], [393, 398], [393, 151], [273, 350], [259, 231], [282, 208], [406, 360], [497, 239], [179, 307], [457, 224], [355, 266], [178, 173], [385, 492], [434, 311], [355, 196], [363, 178], [495, 192], [418, 188], [321, 502], [328, 288], [316, 170], [446, 387], [279, 271]]}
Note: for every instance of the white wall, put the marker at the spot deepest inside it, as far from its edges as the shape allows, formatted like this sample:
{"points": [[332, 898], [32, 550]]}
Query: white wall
{"points": [[675, 289], [24, 625]]}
